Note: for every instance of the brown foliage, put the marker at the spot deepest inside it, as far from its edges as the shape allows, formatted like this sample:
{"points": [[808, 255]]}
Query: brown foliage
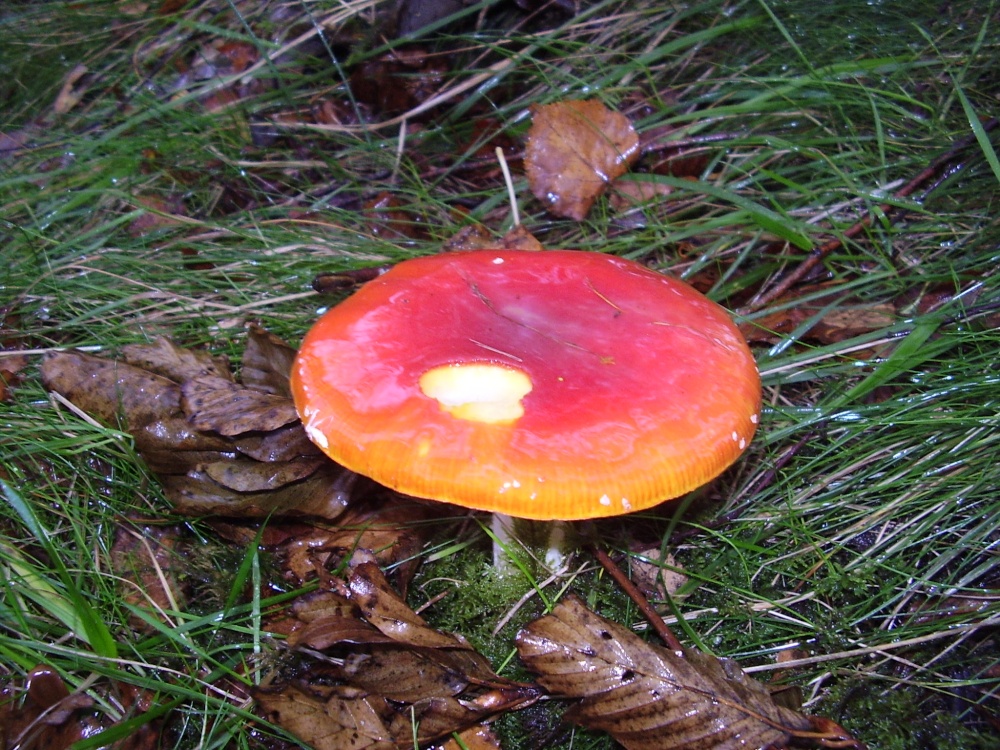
{"points": [[575, 150]]}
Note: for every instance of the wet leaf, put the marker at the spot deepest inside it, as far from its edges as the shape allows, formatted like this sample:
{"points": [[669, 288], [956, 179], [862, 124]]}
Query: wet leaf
{"points": [[281, 444], [648, 697], [267, 363], [401, 678], [196, 493], [399, 80], [258, 476], [393, 528], [109, 390], [147, 562], [220, 448], [48, 717], [176, 434], [328, 718], [475, 738], [164, 357], [575, 150], [216, 404]]}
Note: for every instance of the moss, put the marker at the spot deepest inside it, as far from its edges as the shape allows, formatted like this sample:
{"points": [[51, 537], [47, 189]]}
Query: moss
{"points": [[906, 717]]}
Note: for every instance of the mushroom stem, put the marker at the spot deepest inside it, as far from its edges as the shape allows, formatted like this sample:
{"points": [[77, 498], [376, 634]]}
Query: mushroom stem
{"points": [[509, 533]]}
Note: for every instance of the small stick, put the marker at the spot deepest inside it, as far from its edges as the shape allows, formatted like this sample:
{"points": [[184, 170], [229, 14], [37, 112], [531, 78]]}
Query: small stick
{"points": [[819, 253], [510, 187], [651, 615]]}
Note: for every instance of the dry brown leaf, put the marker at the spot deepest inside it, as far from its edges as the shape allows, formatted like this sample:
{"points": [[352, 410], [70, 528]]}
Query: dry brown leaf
{"points": [[575, 150], [219, 405], [645, 696]]}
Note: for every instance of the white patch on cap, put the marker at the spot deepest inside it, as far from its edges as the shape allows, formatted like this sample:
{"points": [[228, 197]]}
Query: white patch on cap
{"points": [[736, 436], [743, 443], [605, 500], [498, 261], [626, 504], [478, 392], [753, 419]]}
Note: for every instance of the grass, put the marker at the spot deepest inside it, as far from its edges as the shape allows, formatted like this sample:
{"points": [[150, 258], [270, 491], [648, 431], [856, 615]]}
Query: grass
{"points": [[859, 533]]}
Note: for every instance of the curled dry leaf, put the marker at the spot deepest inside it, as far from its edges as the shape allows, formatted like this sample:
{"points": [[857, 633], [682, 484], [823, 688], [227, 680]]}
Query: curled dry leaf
{"points": [[196, 493], [575, 150], [214, 403], [220, 448], [399, 677], [164, 357], [267, 363], [648, 697]]}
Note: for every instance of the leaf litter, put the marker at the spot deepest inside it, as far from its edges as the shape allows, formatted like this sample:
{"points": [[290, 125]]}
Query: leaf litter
{"points": [[379, 675], [649, 697]]}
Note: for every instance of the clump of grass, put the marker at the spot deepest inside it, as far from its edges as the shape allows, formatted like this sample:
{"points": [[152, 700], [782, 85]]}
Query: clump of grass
{"points": [[859, 532]]}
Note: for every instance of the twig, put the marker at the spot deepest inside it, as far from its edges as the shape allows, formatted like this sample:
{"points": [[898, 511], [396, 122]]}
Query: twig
{"points": [[651, 615], [937, 168]]}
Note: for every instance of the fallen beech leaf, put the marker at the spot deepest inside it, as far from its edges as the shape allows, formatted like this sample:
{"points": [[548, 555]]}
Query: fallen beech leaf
{"points": [[479, 737], [393, 528], [110, 390], [575, 150], [165, 358], [281, 444], [384, 609], [648, 697], [628, 194], [657, 577], [328, 718], [403, 679], [196, 493], [147, 561], [48, 717], [219, 448], [175, 434], [257, 476], [267, 363], [216, 404]]}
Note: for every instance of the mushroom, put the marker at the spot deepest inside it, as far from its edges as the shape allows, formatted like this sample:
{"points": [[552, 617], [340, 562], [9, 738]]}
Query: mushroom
{"points": [[556, 385]]}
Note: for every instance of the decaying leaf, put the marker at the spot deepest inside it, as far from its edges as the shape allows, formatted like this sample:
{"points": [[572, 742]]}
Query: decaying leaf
{"points": [[109, 390], [43, 714], [645, 696], [219, 447], [147, 562], [398, 677], [214, 403], [394, 529], [163, 357], [575, 150], [267, 363]]}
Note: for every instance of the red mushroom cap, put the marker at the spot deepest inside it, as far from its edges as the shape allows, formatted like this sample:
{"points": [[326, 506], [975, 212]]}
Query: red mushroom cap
{"points": [[601, 387]]}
